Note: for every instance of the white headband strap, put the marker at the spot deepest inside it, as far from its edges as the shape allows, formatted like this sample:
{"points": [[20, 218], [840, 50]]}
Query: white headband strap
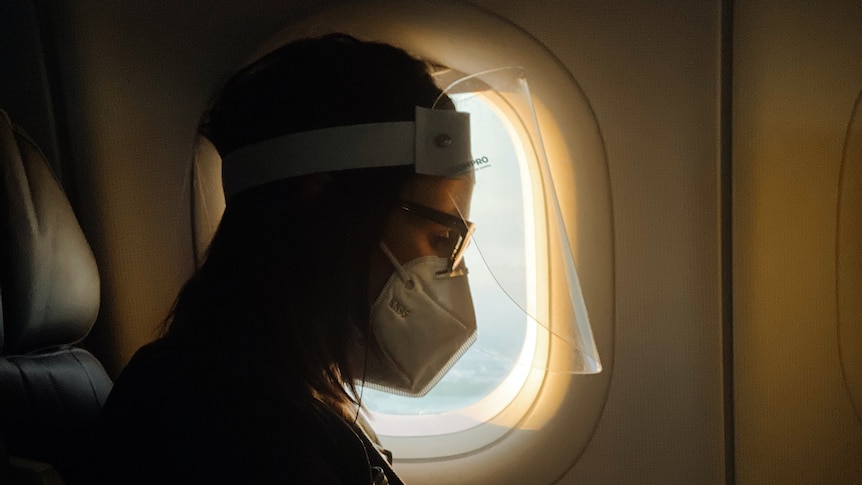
{"points": [[437, 143]]}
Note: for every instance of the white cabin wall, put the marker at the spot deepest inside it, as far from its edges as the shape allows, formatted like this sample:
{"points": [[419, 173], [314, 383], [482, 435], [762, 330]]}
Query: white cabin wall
{"points": [[797, 74], [651, 72], [136, 76]]}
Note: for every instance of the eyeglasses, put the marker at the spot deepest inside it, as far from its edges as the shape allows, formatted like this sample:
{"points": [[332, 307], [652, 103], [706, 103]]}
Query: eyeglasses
{"points": [[458, 239]]}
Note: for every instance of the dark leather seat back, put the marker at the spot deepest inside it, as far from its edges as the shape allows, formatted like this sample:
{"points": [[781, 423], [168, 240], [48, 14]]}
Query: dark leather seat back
{"points": [[51, 392]]}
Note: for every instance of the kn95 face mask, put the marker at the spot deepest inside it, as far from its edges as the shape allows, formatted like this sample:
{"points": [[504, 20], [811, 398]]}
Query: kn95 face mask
{"points": [[421, 324]]}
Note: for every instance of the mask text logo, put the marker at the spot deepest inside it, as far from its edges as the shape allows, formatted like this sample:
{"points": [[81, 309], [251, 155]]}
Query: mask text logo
{"points": [[399, 308]]}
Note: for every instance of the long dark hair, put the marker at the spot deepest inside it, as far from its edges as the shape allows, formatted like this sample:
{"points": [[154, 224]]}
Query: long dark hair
{"points": [[285, 279]]}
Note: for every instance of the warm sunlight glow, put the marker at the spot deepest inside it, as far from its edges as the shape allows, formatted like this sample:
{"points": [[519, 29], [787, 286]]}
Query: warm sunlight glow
{"points": [[517, 349]]}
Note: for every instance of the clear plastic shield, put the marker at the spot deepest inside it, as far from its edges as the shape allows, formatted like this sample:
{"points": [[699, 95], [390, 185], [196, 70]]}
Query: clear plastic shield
{"points": [[530, 310]]}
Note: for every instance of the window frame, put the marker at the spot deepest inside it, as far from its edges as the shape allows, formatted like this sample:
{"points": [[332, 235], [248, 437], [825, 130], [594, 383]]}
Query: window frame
{"points": [[567, 408]]}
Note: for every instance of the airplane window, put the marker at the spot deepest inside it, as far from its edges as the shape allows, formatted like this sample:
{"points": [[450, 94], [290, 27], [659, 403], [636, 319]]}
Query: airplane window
{"points": [[522, 384], [849, 261], [491, 373], [494, 372]]}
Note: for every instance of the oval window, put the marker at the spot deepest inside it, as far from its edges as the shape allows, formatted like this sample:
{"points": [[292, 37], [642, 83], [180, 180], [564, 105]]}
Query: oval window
{"points": [[492, 372], [496, 407]]}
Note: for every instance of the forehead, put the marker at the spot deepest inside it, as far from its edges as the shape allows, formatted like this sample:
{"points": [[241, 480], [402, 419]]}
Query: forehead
{"points": [[450, 195]]}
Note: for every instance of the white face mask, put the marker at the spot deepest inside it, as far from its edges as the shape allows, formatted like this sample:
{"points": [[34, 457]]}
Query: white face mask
{"points": [[422, 324]]}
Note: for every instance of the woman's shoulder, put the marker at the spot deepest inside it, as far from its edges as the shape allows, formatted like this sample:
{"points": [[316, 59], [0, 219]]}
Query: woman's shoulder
{"points": [[172, 405], [155, 371], [174, 376]]}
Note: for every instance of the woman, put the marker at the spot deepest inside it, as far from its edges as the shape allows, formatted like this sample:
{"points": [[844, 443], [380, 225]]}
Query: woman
{"points": [[306, 285]]}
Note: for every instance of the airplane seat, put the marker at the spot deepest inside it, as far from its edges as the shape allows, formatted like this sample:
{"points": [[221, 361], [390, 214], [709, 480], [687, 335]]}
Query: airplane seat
{"points": [[51, 391]]}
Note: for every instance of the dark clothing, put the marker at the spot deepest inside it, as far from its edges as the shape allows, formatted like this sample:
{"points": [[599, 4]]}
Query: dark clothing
{"points": [[176, 416]]}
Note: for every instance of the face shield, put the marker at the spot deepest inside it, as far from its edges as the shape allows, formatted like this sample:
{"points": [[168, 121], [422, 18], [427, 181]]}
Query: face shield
{"points": [[519, 258], [509, 237]]}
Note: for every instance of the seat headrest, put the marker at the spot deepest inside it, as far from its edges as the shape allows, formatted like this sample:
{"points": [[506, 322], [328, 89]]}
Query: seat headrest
{"points": [[49, 283]]}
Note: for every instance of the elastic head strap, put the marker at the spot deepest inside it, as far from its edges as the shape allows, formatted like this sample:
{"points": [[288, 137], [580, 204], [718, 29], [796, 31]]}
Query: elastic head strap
{"points": [[436, 143]]}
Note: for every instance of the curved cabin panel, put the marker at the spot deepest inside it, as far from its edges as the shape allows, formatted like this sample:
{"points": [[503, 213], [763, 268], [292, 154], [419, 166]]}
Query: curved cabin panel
{"points": [[722, 128]]}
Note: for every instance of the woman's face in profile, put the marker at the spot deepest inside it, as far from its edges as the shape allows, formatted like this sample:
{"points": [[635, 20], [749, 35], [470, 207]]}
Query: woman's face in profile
{"points": [[409, 236]]}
